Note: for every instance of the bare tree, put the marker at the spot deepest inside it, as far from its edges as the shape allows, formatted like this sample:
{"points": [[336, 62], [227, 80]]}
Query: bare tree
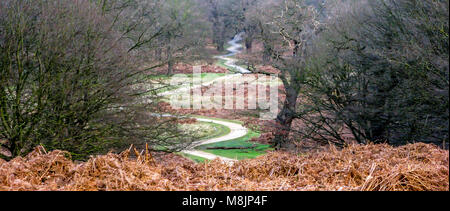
{"points": [[68, 73], [292, 24], [379, 73]]}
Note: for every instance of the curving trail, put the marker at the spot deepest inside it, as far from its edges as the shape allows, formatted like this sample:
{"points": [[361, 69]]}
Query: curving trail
{"points": [[236, 130], [234, 49]]}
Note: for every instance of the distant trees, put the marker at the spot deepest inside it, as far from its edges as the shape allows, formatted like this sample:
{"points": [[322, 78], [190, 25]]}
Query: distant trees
{"points": [[226, 18], [250, 22], [184, 33], [215, 16]]}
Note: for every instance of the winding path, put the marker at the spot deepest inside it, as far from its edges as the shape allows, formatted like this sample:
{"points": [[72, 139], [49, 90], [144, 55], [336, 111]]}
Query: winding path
{"points": [[234, 49], [230, 62], [236, 130]]}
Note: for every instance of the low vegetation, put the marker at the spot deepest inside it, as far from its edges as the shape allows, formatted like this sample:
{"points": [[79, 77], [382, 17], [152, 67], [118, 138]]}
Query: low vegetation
{"points": [[414, 167]]}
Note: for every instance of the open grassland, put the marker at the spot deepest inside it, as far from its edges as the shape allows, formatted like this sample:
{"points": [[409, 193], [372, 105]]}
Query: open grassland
{"points": [[162, 83]]}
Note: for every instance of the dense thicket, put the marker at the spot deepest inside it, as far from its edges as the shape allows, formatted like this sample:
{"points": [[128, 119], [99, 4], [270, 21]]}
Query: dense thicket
{"points": [[380, 70], [69, 72], [375, 71]]}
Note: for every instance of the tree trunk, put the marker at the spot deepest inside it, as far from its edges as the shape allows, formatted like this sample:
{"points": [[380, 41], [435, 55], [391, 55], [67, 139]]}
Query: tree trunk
{"points": [[158, 54], [284, 121], [267, 53], [296, 49], [169, 61], [249, 44], [220, 46]]}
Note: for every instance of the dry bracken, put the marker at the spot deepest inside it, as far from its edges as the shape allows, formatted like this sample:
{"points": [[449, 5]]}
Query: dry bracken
{"points": [[414, 167]]}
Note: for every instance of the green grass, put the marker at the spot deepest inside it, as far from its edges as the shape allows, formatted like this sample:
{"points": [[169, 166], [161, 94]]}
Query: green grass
{"points": [[199, 131], [218, 119], [220, 130], [164, 79], [221, 63], [194, 158], [167, 89], [188, 75], [211, 76], [239, 154], [204, 76]]}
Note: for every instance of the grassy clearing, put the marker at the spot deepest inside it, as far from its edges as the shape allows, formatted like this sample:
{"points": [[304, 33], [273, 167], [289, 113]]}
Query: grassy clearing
{"points": [[198, 131], [219, 131], [204, 76], [205, 130], [162, 83], [239, 154], [194, 158], [218, 119], [221, 63]]}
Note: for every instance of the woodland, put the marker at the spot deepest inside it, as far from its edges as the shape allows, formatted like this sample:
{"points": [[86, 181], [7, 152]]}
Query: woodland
{"points": [[362, 95]]}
